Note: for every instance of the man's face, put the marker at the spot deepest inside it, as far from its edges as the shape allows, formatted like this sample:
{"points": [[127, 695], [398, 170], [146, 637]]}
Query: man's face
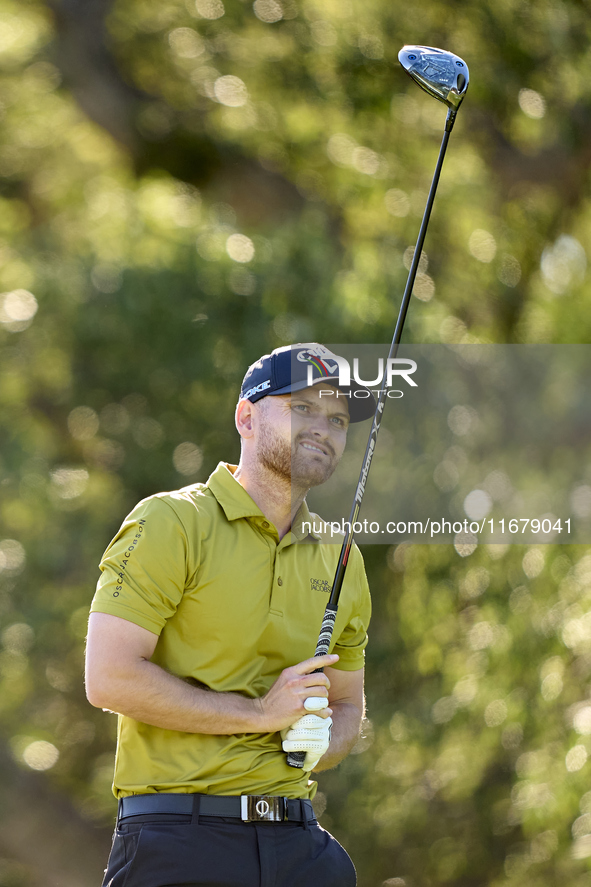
{"points": [[301, 436]]}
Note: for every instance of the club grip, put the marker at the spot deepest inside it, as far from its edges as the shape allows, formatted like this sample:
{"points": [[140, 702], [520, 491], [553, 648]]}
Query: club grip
{"points": [[296, 758]]}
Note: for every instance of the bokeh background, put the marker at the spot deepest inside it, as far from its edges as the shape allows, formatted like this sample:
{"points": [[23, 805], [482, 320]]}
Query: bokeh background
{"points": [[187, 184]]}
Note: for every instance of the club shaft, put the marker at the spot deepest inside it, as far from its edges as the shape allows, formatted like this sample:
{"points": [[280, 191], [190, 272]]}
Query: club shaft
{"points": [[371, 443], [295, 759]]}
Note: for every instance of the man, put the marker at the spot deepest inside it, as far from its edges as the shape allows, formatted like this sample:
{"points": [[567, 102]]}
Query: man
{"points": [[200, 637]]}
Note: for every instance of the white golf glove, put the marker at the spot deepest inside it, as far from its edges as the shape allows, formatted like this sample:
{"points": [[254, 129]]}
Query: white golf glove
{"points": [[310, 734], [315, 703]]}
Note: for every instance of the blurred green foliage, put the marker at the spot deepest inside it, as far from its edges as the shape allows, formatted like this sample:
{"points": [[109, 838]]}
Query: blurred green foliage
{"points": [[187, 184]]}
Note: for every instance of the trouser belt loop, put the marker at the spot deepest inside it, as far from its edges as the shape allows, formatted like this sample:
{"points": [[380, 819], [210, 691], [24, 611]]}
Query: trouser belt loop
{"points": [[196, 808], [304, 812]]}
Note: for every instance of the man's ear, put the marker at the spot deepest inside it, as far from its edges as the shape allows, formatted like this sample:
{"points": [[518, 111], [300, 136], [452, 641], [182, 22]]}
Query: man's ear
{"points": [[244, 419]]}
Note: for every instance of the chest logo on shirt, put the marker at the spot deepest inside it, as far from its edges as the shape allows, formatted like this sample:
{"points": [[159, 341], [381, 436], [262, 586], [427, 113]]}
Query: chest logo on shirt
{"points": [[320, 585]]}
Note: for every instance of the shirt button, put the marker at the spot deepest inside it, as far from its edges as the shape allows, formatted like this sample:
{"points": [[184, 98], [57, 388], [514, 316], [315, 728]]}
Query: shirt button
{"points": [[280, 581], [266, 524]]}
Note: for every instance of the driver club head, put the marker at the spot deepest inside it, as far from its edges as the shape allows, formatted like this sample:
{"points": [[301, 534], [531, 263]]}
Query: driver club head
{"points": [[440, 73]]}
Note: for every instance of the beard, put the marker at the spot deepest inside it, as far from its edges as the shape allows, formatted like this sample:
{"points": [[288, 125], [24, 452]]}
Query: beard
{"points": [[290, 462]]}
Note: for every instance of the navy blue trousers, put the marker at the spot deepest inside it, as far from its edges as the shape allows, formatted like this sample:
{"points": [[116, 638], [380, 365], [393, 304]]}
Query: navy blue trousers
{"points": [[181, 851]]}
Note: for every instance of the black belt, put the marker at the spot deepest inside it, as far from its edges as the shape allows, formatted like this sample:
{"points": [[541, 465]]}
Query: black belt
{"points": [[248, 808]]}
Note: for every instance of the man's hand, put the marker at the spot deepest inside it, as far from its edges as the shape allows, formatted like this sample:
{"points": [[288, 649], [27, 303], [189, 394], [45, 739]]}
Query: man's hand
{"points": [[310, 734], [284, 703]]}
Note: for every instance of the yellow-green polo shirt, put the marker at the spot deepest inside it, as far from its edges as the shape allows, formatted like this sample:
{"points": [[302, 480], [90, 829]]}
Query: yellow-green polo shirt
{"points": [[204, 569]]}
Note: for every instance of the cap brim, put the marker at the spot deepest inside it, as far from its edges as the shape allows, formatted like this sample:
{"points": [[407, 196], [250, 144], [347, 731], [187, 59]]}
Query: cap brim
{"points": [[360, 400]]}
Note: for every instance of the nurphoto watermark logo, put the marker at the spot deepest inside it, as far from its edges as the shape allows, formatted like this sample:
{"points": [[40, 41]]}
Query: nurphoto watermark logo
{"points": [[322, 362], [460, 458]]}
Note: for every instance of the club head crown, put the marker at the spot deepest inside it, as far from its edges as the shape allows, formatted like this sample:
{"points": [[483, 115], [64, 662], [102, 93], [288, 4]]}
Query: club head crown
{"points": [[440, 73]]}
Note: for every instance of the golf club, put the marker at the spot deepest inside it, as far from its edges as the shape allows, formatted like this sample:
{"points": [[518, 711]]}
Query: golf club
{"points": [[444, 76]]}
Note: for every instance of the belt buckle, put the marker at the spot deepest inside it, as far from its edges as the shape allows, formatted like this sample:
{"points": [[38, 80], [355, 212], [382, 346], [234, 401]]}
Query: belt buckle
{"points": [[263, 808]]}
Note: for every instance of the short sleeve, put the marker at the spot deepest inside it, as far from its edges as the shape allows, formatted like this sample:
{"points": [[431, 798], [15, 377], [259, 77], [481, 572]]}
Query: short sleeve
{"points": [[143, 571], [352, 641]]}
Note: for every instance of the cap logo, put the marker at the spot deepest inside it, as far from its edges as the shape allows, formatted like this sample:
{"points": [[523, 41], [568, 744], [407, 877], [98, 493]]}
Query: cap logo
{"points": [[323, 361], [257, 389]]}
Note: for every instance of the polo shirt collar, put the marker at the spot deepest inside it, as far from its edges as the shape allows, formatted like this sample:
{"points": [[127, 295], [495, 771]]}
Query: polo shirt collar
{"points": [[236, 503], [303, 516], [231, 496]]}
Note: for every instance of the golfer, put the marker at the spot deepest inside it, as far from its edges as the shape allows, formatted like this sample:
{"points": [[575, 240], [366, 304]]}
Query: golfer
{"points": [[207, 609]]}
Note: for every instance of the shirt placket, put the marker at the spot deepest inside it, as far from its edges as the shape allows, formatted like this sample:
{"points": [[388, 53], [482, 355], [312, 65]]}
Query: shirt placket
{"points": [[277, 592]]}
